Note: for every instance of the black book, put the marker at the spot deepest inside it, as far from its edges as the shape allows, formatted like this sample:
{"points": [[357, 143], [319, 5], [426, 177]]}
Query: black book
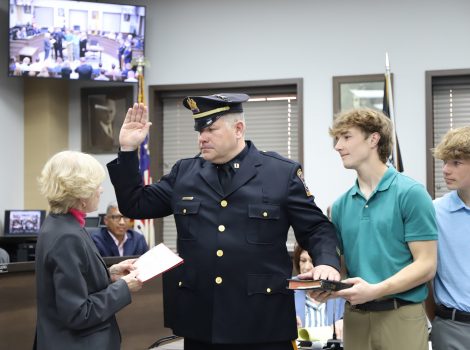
{"points": [[295, 283]]}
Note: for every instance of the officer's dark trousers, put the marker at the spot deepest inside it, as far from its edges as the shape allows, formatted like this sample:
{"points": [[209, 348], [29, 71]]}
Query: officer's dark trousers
{"points": [[190, 344]]}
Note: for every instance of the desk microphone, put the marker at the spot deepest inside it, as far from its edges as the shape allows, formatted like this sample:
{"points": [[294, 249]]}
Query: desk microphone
{"points": [[333, 343]]}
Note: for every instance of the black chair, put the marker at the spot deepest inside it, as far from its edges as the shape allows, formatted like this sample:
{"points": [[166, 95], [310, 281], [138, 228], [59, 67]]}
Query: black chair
{"points": [[169, 287], [163, 341], [92, 221]]}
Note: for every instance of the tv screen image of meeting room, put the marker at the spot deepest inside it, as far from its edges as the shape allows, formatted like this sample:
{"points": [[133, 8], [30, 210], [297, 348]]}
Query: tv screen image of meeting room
{"points": [[23, 222], [68, 39]]}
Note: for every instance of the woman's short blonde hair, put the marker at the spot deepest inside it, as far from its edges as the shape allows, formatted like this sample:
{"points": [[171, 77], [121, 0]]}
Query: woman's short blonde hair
{"points": [[69, 176], [454, 145]]}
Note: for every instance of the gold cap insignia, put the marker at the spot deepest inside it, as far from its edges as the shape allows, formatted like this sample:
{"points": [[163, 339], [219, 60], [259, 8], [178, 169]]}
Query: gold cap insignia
{"points": [[192, 104]]}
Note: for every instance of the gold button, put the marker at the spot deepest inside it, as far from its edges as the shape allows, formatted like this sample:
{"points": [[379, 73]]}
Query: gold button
{"points": [[180, 283], [218, 280], [221, 228], [184, 211], [268, 290], [265, 214], [220, 252], [223, 203]]}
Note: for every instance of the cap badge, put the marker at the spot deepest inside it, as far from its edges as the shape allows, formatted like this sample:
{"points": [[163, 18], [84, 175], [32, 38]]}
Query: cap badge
{"points": [[192, 105], [222, 97]]}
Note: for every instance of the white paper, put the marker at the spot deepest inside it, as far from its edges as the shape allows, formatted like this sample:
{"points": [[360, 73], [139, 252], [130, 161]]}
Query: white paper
{"points": [[321, 334], [156, 261]]}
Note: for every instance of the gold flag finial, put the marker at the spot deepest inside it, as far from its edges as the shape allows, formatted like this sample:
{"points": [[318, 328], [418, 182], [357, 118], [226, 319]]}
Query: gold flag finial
{"points": [[140, 62]]}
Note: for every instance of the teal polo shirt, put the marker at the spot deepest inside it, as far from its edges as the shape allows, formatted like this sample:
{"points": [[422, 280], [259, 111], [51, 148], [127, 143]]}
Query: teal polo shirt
{"points": [[374, 232]]}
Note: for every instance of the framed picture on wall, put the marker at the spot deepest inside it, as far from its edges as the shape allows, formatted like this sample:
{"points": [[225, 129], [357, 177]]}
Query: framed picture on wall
{"points": [[355, 91], [103, 111]]}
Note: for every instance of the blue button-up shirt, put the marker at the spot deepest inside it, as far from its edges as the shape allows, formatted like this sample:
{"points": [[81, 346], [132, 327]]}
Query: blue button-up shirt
{"points": [[452, 281]]}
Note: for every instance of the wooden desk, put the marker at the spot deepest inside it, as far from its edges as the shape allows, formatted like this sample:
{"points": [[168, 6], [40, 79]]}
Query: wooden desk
{"points": [[28, 51], [141, 322], [35, 42]]}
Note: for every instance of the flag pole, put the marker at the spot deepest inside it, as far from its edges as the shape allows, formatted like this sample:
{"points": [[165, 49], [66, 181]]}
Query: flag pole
{"points": [[140, 78], [389, 92], [144, 225]]}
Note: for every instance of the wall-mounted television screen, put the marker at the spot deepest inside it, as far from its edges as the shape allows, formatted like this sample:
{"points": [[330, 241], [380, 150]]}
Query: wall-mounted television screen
{"points": [[68, 39], [23, 222]]}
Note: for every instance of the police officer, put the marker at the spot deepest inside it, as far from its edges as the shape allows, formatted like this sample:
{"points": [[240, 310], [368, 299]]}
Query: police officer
{"points": [[233, 206]]}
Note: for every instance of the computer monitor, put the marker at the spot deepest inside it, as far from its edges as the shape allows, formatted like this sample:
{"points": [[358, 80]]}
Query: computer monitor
{"points": [[92, 221], [101, 223], [20, 222]]}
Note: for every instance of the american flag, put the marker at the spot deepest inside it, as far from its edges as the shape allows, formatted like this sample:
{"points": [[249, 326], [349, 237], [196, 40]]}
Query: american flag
{"points": [[144, 226]]}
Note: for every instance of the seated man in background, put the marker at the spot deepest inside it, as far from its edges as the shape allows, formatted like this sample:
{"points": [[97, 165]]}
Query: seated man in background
{"points": [[311, 312], [117, 239]]}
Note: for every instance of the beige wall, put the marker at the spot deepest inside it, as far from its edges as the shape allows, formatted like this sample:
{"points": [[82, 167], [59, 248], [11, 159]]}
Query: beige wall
{"points": [[275, 39], [45, 131]]}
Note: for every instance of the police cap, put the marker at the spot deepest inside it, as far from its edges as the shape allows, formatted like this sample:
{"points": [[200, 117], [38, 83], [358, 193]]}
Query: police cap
{"points": [[207, 109]]}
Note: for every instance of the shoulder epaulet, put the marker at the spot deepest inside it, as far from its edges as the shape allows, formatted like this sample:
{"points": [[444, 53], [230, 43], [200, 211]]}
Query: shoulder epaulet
{"points": [[277, 156]]}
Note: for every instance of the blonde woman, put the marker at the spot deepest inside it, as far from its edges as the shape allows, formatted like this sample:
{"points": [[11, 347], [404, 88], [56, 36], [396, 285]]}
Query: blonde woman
{"points": [[77, 296]]}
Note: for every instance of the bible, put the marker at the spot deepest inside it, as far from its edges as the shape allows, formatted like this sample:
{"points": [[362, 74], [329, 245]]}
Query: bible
{"points": [[295, 283]]}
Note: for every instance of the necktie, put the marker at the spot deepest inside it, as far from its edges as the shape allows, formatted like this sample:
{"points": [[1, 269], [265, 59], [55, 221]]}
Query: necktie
{"points": [[225, 176]]}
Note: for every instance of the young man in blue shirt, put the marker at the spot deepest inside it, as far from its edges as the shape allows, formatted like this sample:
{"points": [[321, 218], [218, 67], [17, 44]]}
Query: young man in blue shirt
{"points": [[451, 302], [387, 232]]}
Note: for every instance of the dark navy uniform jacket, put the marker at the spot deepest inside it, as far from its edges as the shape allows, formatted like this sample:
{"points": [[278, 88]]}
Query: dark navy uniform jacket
{"points": [[232, 285]]}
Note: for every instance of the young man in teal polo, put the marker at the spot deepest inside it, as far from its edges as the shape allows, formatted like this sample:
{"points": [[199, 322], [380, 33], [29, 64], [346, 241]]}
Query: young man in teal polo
{"points": [[387, 231]]}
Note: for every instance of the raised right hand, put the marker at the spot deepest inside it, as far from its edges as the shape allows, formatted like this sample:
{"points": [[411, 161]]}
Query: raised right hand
{"points": [[135, 127]]}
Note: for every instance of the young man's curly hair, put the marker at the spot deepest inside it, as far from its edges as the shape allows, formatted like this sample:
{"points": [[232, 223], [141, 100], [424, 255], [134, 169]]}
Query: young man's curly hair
{"points": [[454, 145], [368, 121]]}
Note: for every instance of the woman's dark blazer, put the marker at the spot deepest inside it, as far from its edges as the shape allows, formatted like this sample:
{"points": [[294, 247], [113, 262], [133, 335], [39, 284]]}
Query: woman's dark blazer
{"points": [[76, 301]]}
